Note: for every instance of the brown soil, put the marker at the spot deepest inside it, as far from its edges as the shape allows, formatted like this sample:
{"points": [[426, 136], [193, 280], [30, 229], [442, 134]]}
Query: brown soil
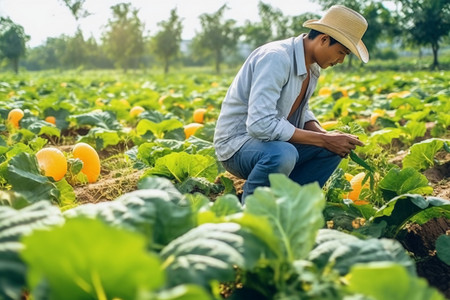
{"points": [[114, 180], [420, 242], [238, 184], [439, 177], [108, 188]]}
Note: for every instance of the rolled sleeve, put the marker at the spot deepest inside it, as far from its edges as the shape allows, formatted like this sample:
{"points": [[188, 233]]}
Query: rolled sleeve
{"points": [[309, 115], [264, 121]]}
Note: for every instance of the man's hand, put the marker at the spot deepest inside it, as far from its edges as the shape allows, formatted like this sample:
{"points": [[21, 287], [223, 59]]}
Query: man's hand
{"points": [[341, 143]]}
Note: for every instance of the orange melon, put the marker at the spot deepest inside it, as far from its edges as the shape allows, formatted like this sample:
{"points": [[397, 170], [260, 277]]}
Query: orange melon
{"points": [[14, 116], [53, 162], [191, 128], [91, 161]]}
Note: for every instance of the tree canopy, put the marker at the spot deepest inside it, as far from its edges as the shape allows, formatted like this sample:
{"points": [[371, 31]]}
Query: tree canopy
{"points": [[12, 41], [124, 39], [426, 23], [217, 35], [166, 43]]}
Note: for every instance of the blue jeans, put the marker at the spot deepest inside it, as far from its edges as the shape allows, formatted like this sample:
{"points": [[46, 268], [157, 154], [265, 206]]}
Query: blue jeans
{"points": [[302, 163]]}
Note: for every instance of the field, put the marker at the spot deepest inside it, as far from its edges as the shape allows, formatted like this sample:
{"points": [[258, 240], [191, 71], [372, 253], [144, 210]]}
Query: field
{"points": [[132, 186]]}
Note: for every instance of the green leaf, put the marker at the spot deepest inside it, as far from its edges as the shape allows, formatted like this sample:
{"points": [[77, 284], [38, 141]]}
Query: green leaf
{"points": [[226, 205], [208, 253], [67, 198], [158, 129], [13, 199], [389, 281], [180, 292], [337, 186], [360, 161], [116, 264], [421, 155], [386, 135], [14, 224], [443, 248], [180, 166], [102, 119], [407, 180], [402, 208], [159, 215], [294, 212], [101, 137], [199, 185], [415, 129], [40, 127], [341, 251], [24, 176]]}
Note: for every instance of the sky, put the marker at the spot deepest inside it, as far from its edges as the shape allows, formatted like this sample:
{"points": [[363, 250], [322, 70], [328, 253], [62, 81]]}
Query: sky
{"points": [[51, 18]]}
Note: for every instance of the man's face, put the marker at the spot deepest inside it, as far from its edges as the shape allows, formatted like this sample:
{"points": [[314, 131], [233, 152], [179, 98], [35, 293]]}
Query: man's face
{"points": [[328, 56]]}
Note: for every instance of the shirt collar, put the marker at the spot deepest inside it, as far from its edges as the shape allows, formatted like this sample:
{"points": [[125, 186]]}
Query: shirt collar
{"points": [[299, 51]]}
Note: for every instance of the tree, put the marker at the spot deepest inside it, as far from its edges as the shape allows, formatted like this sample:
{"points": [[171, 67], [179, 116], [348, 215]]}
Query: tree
{"points": [[217, 35], [75, 54], [124, 39], [166, 43], [273, 26], [377, 16], [12, 41], [426, 22], [76, 8], [297, 22]]}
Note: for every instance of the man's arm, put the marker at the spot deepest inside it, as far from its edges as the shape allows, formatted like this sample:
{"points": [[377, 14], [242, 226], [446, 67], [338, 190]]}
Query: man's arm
{"points": [[314, 126], [337, 142]]}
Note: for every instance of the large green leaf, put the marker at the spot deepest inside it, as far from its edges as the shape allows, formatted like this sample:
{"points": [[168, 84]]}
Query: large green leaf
{"points": [[388, 280], [180, 166], [14, 224], [87, 259], [180, 292], [421, 155], [160, 215], [341, 251], [400, 209], [294, 212], [102, 119], [158, 129], [101, 137], [415, 129], [386, 135], [24, 176], [443, 248], [150, 152], [403, 181], [208, 253]]}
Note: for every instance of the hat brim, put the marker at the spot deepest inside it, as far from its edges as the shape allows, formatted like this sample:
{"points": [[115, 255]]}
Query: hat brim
{"points": [[359, 49]]}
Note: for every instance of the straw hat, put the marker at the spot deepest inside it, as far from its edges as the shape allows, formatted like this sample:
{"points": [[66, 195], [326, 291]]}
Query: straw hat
{"points": [[344, 25]]}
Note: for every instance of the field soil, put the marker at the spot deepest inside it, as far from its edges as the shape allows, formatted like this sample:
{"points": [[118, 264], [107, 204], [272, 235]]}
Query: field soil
{"points": [[420, 241]]}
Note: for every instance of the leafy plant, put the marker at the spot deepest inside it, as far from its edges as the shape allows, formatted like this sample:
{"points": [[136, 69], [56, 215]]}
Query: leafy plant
{"points": [[25, 177], [180, 166], [404, 181], [421, 155], [100, 272], [15, 224], [382, 276], [397, 212]]}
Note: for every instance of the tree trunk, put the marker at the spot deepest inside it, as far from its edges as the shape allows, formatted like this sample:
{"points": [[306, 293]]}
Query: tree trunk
{"points": [[15, 64], [218, 61], [435, 47], [166, 66]]}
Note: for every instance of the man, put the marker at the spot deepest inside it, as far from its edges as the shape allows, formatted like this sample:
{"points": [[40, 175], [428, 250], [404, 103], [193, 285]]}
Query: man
{"points": [[265, 125]]}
